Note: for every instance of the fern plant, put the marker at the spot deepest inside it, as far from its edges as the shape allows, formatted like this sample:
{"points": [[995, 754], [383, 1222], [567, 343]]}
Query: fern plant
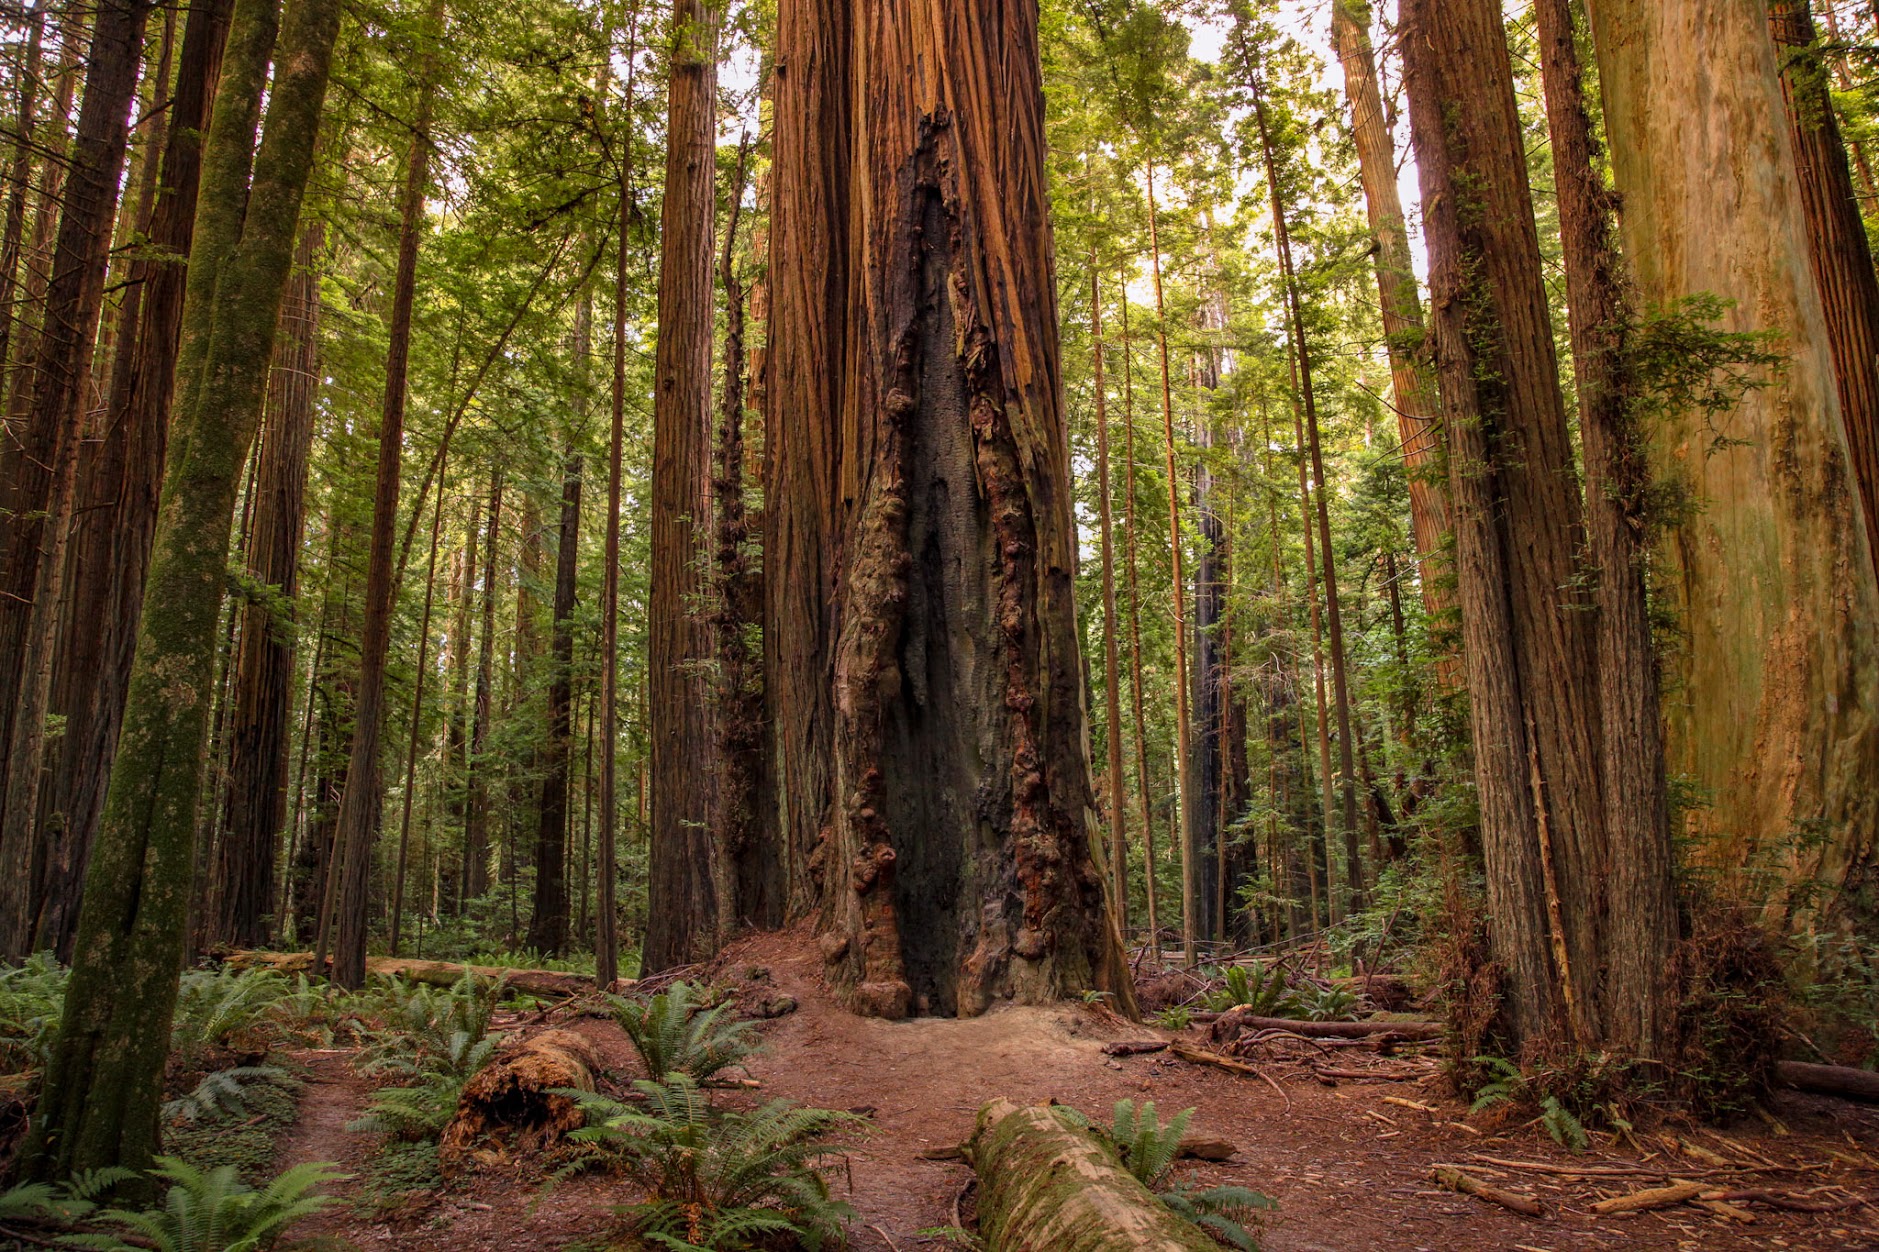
{"points": [[1262, 989], [676, 1034], [427, 1028], [1150, 1149], [32, 996], [219, 1008], [222, 1092], [1327, 1004], [1511, 1085], [61, 1203], [214, 1211], [720, 1181]]}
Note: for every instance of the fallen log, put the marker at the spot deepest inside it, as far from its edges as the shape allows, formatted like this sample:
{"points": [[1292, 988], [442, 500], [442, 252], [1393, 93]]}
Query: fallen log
{"points": [[512, 1105], [1135, 1047], [1467, 1184], [535, 982], [1834, 1080], [1048, 1183], [1200, 1056], [1651, 1198], [1231, 1024]]}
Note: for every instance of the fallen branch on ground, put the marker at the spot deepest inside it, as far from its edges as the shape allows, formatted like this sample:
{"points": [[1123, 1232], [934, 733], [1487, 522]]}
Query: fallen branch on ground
{"points": [[1651, 1198], [1232, 1023], [1455, 1180]]}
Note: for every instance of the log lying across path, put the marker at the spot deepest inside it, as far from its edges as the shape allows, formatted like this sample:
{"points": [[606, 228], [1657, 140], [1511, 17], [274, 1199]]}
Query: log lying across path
{"points": [[1834, 1080], [1046, 1183], [1231, 1025], [535, 982], [511, 1105]]}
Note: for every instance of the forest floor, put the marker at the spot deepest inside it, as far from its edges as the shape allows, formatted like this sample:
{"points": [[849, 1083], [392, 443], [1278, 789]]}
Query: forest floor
{"points": [[1348, 1161]]}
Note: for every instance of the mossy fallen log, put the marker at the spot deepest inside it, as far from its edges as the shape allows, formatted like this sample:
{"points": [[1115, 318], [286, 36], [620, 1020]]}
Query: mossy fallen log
{"points": [[536, 982], [1047, 1184], [511, 1105], [1230, 1025]]}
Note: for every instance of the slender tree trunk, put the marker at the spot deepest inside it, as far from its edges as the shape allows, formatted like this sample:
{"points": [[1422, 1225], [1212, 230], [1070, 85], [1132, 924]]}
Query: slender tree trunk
{"points": [[41, 474], [103, 1085], [476, 820], [1178, 579], [548, 928], [1413, 390], [1776, 714], [19, 176], [1150, 882], [258, 734], [683, 908], [606, 911], [1316, 607], [361, 807], [421, 676], [749, 869], [1528, 640], [1112, 652]]}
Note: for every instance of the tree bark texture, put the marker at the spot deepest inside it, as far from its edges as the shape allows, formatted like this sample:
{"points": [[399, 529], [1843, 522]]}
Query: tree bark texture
{"points": [[1775, 714], [1112, 648], [476, 818], [103, 1085], [682, 903], [39, 475], [955, 864], [1527, 638], [548, 929], [258, 732]]}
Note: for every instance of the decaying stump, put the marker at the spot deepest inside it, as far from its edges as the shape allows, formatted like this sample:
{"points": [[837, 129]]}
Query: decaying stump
{"points": [[511, 1105], [1048, 1184]]}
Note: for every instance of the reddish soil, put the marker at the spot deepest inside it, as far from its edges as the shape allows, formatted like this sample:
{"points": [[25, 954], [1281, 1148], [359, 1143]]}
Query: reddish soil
{"points": [[1348, 1168]]}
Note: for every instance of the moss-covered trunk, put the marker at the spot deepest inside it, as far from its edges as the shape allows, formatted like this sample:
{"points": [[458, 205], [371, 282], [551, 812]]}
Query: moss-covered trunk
{"points": [[104, 1082]]}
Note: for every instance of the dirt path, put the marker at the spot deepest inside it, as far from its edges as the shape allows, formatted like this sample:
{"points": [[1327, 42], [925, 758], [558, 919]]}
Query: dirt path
{"points": [[1348, 1170]]}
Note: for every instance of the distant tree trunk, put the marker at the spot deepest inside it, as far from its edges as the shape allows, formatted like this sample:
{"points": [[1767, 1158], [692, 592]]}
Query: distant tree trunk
{"points": [[1837, 244], [1183, 722], [258, 734], [1150, 882], [1776, 716], [50, 142], [750, 870], [1528, 638], [41, 473], [103, 1086], [548, 928], [1112, 652], [1641, 932], [682, 905], [1315, 607], [19, 176], [360, 808], [606, 913], [1207, 681], [414, 738], [957, 869], [120, 480], [1334, 617], [476, 820], [1413, 390]]}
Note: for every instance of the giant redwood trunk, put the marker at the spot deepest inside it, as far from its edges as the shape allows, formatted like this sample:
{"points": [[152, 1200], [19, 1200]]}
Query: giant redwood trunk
{"points": [[39, 473], [685, 875], [955, 863], [1527, 640], [118, 488], [1775, 714]]}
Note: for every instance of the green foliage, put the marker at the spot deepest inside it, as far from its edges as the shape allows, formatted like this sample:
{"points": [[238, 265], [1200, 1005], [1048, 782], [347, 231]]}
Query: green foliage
{"points": [[676, 1034], [218, 1009], [1179, 1017], [720, 1180], [222, 1092], [246, 1138], [1261, 988], [435, 1040], [1327, 1004], [32, 996], [1150, 1149], [61, 1203], [214, 1211]]}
